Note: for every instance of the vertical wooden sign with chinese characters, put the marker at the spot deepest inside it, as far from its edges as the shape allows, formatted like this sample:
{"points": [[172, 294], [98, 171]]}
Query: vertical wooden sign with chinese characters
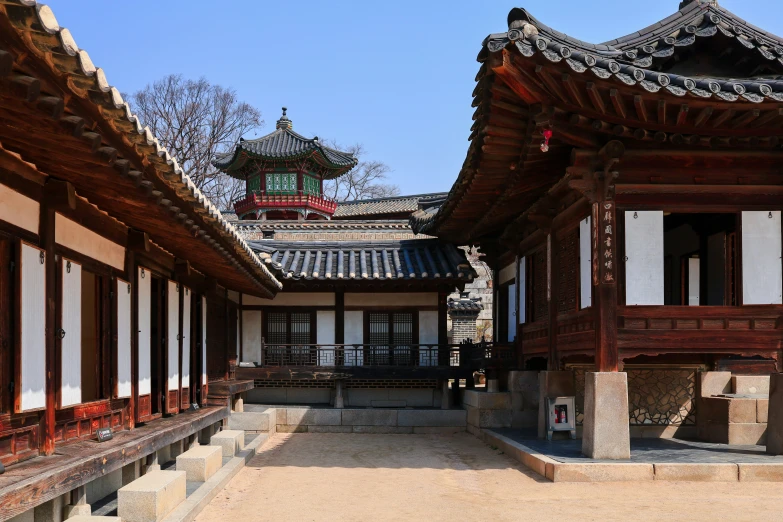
{"points": [[605, 281]]}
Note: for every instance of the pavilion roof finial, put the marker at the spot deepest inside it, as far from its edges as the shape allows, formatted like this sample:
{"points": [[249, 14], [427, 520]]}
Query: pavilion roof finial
{"points": [[284, 122]]}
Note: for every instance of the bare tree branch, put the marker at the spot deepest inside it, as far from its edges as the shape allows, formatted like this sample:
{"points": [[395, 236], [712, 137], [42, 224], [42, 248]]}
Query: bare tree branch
{"points": [[196, 120], [366, 181]]}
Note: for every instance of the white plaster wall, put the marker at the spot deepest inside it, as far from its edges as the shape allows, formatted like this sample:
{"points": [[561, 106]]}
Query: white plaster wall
{"points": [[354, 334], [123, 338], [428, 334], [585, 262], [186, 304], [392, 299], [325, 324], [145, 317], [644, 283], [694, 279], [83, 240], [71, 344], [251, 336], [761, 264], [171, 336], [507, 273], [292, 299], [18, 209], [33, 336], [522, 291], [203, 341]]}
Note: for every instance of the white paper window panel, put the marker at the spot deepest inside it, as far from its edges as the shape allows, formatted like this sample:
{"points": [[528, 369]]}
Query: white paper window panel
{"points": [[145, 324], [325, 322], [512, 312], [761, 265], [172, 335], [644, 248], [694, 272], [33, 333], [123, 338], [521, 316], [251, 335], [71, 343], [428, 334], [585, 262], [186, 304], [203, 341], [354, 334]]}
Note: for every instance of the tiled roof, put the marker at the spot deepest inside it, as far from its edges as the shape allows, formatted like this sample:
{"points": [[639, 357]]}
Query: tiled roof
{"points": [[55, 46], [627, 60], [423, 259], [285, 144], [465, 305], [390, 205]]}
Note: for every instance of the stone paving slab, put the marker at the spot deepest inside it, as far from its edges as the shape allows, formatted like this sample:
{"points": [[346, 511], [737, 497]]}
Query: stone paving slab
{"points": [[649, 450]]}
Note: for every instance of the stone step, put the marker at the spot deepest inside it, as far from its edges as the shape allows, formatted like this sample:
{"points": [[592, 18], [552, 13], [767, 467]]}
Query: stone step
{"points": [[231, 441], [254, 422], [200, 462], [88, 518], [151, 497]]}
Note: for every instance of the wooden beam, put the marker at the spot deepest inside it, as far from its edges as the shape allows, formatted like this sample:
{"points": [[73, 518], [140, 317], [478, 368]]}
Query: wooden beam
{"points": [[745, 119], [550, 82], [138, 241], [618, 103], [703, 116], [662, 112], [59, 195], [724, 116], [6, 63], [641, 109], [595, 97], [572, 89], [768, 117], [682, 116], [182, 267]]}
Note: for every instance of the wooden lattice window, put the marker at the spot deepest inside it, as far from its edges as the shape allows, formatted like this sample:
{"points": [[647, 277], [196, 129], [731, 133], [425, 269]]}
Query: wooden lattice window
{"points": [[253, 183], [311, 185], [568, 273], [281, 182], [390, 335], [289, 337]]}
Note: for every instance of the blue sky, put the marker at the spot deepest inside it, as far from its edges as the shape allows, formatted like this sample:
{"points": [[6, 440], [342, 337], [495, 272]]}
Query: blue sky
{"points": [[396, 76]]}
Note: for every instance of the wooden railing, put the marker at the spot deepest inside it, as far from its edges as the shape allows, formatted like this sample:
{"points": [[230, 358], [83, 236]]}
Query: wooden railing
{"points": [[467, 355], [293, 199]]}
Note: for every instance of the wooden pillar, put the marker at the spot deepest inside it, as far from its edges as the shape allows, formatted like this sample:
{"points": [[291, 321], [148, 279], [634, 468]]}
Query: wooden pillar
{"points": [[130, 270], [46, 235], [240, 335], [605, 282], [552, 270], [227, 334]]}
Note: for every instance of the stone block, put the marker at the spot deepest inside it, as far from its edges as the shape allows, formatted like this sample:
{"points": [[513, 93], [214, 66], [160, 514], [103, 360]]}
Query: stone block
{"points": [[697, 472], [361, 398], [775, 415], [742, 410], [50, 511], [602, 472], [151, 497], [71, 511], [27, 516], [762, 410], [88, 518], [524, 419], [606, 434], [750, 384], [103, 486], [487, 400], [405, 430], [281, 415], [329, 429], [292, 428], [761, 472], [312, 416], [715, 410], [437, 430], [368, 417], [433, 418], [552, 384], [745, 434], [524, 383], [714, 383], [254, 422], [488, 418], [230, 442], [389, 404], [201, 462], [417, 398]]}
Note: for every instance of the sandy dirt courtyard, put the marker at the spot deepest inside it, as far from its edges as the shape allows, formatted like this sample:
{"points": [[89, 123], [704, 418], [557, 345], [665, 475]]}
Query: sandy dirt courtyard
{"points": [[347, 477]]}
